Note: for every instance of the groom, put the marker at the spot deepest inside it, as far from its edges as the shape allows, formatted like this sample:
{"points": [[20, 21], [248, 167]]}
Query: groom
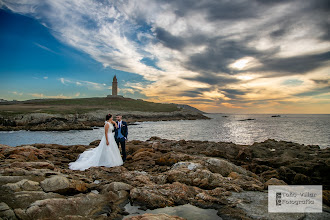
{"points": [[121, 135]]}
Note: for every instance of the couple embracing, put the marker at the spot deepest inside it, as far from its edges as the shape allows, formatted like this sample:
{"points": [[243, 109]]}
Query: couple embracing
{"points": [[107, 154]]}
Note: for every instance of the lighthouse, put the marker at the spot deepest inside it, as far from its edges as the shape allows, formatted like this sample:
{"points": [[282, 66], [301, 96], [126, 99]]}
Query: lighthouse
{"points": [[114, 86]]}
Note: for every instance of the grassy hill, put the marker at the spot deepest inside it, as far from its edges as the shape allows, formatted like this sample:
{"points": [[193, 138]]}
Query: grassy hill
{"points": [[83, 105]]}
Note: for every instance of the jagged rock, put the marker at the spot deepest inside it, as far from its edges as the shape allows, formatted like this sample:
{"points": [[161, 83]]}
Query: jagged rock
{"points": [[223, 167], [23, 185], [90, 205], [119, 188], [246, 182], [116, 186], [159, 196], [36, 165], [269, 174], [166, 173], [188, 165], [24, 199], [274, 181], [6, 212], [201, 178], [148, 216]]}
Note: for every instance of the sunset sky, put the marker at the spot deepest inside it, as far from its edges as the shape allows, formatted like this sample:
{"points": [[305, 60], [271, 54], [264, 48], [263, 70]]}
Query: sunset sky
{"points": [[242, 56]]}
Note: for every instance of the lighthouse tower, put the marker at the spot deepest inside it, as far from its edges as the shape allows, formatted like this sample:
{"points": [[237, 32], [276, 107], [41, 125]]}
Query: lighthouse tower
{"points": [[114, 86], [114, 94]]}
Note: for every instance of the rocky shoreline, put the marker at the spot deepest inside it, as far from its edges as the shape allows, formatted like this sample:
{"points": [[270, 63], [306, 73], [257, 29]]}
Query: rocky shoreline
{"points": [[85, 121], [36, 183]]}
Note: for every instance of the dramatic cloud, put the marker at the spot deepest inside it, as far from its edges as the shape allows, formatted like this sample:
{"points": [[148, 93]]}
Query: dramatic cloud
{"points": [[215, 54], [87, 84]]}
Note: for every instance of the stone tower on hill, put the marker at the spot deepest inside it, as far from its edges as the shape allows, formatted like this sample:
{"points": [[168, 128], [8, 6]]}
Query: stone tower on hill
{"points": [[114, 86], [115, 89]]}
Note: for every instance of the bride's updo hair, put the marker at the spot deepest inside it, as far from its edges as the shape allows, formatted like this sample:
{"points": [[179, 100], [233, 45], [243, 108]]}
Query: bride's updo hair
{"points": [[108, 117]]}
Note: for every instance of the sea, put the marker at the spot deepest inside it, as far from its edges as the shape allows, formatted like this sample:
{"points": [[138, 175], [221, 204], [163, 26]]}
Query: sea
{"points": [[245, 129]]}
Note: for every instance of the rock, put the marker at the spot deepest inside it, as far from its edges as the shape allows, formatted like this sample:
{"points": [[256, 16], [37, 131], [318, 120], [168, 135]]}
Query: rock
{"points": [[10, 179], [143, 155], [160, 173], [224, 167], [116, 186], [188, 165], [36, 165], [23, 185], [31, 173], [119, 189], [55, 184], [246, 182], [300, 179], [274, 181], [286, 174], [148, 216], [63, 185], [89, 205], [326, 197], [201, 178], [159, 196], [24, 199], [165, 161], [6, 212], [269, 174], [254, 205]]}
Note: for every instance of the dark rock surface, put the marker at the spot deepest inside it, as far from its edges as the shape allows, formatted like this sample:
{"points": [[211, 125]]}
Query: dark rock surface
{"points": [[35, 182]]}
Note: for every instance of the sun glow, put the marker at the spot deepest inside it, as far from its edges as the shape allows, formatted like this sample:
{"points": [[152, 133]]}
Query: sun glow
{"points": [[244, 63], [240, 64]]}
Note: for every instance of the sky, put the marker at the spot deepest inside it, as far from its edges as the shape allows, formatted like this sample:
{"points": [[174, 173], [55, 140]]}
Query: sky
{"points": [[221, 56]]}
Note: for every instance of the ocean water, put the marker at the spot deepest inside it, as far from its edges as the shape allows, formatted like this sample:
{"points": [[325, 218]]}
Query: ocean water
{"points": [[303, 129]]}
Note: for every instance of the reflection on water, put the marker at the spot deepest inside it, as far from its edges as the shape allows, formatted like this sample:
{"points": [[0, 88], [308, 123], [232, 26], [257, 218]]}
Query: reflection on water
{"points": [[304, 129], [185, 211]]}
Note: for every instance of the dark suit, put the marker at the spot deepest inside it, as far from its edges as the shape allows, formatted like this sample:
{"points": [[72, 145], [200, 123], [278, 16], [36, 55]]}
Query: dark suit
{"points": [[122, 140]]}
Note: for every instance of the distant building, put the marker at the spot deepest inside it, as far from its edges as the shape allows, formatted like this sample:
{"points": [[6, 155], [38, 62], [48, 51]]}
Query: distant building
{"points": [[115, 89], [3, 100], [114, 86]]}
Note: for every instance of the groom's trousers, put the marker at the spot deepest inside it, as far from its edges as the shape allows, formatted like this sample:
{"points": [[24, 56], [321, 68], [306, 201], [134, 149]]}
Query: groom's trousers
{"points": [[122, 143]]}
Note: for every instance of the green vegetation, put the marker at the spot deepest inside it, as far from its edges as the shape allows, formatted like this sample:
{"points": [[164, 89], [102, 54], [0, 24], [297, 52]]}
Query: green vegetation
{"points": [[72, 106]]}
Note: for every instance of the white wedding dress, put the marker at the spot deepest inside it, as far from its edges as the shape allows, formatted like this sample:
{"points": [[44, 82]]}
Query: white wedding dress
{"points": [[103, 155]]}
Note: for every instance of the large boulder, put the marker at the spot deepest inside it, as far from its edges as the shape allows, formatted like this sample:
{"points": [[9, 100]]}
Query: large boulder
{"points": [[55, 184], [159, 196], [120, 190], [201, 178], [61, 184], [24, 199], [223, 167], [90, 205], [205, 179]]}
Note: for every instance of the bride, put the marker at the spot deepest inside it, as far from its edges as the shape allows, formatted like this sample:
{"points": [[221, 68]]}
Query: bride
{"points": [[106, 154]]}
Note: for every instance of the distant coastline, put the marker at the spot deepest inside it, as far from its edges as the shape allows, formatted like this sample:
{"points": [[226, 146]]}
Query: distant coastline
{"points": [[83, 114]]}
